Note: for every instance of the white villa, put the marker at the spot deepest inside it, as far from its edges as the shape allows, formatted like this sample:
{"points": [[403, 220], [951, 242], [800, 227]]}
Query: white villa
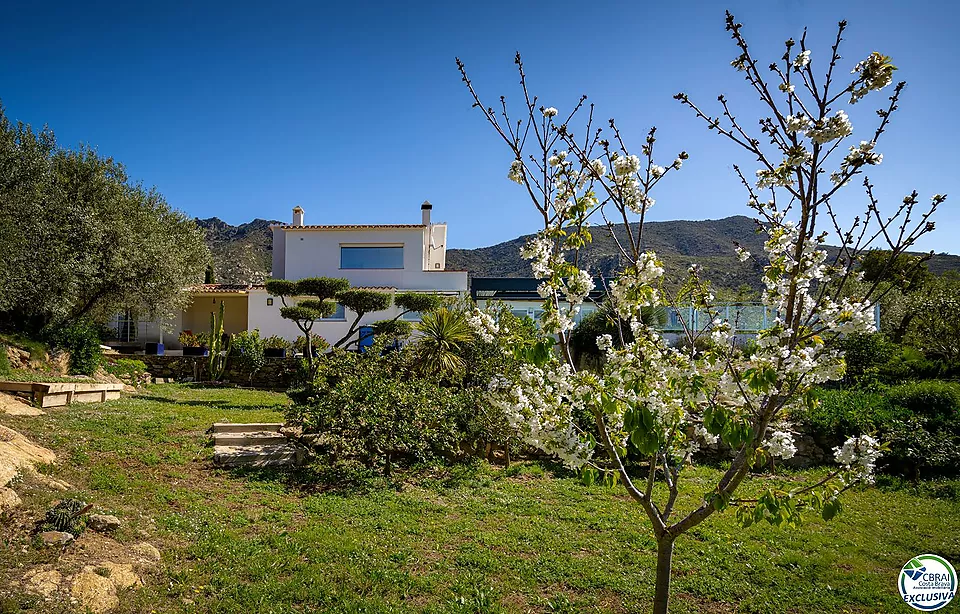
{"points": [[385, 257]]}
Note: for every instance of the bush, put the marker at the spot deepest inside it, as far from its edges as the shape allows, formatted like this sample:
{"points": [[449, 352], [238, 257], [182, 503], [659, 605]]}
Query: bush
{"points": [[372, 409], [4, 361], [247, 350], [843, 413], [865, 354], [82, 341], [920, 421], [935, 403], [128, 369]]}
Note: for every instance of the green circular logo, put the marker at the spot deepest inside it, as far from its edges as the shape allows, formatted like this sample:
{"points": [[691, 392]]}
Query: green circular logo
{"points": [[927, 582]]}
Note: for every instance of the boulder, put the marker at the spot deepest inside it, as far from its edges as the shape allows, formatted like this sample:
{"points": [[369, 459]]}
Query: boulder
{"points": [[17, 453], [121, 574], [96, 593], [146, 553], [42, 582], [16, 406], [8, 500], [58, 539], [103, 523]]}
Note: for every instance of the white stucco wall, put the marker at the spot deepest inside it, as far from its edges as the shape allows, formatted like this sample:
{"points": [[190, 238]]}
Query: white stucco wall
{"points": [[267, 319], [316, 253]]}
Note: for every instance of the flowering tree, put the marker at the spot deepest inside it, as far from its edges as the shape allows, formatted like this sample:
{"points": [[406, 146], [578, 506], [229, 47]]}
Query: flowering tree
{"points": [[659, 402]]}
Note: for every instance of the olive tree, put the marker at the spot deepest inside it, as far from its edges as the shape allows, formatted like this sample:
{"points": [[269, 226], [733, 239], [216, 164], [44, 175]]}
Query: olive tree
{"points": [[81, 241], [660, 402]]}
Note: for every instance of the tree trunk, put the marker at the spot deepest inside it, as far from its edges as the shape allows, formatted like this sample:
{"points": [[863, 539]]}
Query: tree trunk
{"points": [[661, 600]]}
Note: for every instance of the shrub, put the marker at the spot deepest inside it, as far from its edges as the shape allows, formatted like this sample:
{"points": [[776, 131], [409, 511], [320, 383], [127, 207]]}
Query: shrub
{"points": [[188, 339], [276, 343], [128, 369], [82, 341], [247, 350], [4, 361], [370, 408], [843, 413], [920, 421], [935, 403], [865, 354]]}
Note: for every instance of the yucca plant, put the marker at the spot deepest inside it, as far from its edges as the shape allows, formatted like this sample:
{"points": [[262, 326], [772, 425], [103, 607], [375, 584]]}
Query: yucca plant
{"points": [[444, 333]]}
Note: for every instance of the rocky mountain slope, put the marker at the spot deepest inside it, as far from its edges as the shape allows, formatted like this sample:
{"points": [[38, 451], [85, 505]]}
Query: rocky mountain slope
{"points": [[243, 253]]}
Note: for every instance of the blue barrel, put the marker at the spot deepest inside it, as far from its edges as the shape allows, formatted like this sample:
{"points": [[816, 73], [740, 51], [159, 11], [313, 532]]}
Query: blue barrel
{"points": [[366, 338]]}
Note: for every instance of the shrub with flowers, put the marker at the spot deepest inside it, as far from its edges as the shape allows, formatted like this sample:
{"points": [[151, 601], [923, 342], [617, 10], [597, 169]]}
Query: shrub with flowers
{"points": [[659, 402]]}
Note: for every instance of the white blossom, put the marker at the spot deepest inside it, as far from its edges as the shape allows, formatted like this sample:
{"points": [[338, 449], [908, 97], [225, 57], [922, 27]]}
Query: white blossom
{"points": [[781, 444], [549, 112], [802, 59]]}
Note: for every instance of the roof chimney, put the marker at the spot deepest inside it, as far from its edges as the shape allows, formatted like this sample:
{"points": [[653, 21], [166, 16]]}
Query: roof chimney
{"points": [[425, 209], [298, 216]]}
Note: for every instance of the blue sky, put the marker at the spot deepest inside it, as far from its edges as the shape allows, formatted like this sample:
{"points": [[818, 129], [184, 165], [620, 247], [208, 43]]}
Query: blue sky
{"points": [[356, 112]]}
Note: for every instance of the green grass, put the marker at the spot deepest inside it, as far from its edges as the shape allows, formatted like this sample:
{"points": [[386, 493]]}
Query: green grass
{"points": [[467, 539]]}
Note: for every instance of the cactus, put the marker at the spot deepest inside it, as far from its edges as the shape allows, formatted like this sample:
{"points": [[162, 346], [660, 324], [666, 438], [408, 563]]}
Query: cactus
{"points": [[219, 350]]}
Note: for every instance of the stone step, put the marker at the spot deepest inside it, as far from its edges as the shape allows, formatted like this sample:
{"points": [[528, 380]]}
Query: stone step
{"points": [[250, 438], [255, 456], [237, 427]]}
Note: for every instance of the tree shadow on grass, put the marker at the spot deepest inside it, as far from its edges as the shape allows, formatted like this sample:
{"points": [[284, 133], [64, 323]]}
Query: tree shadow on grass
{"points": [[213, 403], [350, 479]]}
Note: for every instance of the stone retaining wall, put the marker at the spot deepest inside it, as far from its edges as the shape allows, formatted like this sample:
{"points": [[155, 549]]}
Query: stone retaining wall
{"points": [[276, 373]]}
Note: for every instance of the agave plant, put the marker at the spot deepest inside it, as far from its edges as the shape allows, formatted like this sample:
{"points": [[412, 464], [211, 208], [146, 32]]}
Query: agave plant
{"points": [[443, 334]]}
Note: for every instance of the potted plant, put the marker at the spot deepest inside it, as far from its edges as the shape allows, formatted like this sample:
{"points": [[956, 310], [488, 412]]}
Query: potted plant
{"points": [[192, 344], [275, 347], [319, 344]]}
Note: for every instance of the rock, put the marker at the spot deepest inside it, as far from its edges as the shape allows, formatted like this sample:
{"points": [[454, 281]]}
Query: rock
{"points": [[8, 500], [42, 582], [94, 592], [54, 483], [16, 406], [121, 574], [60, 539], [146, 553], [18, 453], [103, 523]]}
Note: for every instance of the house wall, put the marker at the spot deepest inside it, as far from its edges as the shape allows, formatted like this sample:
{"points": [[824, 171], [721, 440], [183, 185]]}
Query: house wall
{"points": [[279, 253], [316, 253], [266, 318], [196, 317]]}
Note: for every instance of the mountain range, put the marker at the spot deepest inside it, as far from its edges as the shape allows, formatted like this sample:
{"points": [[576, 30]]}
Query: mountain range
{"points": [[242, 254]]}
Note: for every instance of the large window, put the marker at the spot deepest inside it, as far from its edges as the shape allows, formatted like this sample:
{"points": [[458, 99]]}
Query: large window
{"points": [[339, 314], [369, 257]]}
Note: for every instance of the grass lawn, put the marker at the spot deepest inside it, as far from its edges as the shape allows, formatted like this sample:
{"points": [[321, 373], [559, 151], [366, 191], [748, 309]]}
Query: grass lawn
{"points": [[471, 539]]}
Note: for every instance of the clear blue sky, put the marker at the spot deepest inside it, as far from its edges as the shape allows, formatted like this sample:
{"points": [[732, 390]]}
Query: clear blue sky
{"points": [[355, 110]]}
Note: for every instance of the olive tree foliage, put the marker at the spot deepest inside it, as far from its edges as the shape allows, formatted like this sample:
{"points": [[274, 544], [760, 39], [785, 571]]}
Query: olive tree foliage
{"points": [[81, 242], [657, 402]]}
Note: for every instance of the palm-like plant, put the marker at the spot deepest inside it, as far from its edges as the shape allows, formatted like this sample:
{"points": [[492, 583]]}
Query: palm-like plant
{"points": [[438, 350]]}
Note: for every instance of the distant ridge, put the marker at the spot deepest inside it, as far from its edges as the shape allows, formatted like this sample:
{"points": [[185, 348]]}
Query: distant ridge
{"points": [[242, 254]]}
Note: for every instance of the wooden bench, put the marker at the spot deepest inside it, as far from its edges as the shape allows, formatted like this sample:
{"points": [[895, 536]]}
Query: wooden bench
{"points": [[55, 394]]}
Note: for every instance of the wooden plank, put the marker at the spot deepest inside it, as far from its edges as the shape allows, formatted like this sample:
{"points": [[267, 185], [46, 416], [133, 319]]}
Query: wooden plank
{"points": [[53, 400], [17, 386]]}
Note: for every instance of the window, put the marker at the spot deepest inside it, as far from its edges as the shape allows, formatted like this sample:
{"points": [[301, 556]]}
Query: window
{"points": [[338, 315], [364, 257]]}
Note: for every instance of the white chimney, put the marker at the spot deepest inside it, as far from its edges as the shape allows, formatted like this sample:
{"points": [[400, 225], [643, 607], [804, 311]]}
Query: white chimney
{"points": [[297, 216], [425, 209]]}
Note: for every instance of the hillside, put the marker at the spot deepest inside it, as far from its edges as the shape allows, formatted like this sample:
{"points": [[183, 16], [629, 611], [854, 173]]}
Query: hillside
{"points": [[242, 254]]}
